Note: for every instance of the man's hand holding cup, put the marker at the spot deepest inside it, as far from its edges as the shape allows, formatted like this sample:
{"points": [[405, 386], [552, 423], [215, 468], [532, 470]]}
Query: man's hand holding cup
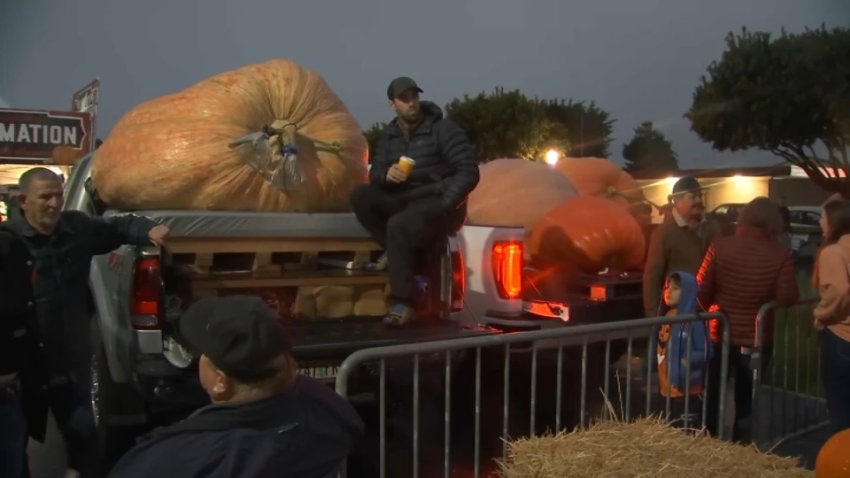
{"points": [[399, 172]]}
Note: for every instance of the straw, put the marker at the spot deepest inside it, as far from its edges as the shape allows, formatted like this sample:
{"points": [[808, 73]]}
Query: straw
{"points": [[644, 448]]}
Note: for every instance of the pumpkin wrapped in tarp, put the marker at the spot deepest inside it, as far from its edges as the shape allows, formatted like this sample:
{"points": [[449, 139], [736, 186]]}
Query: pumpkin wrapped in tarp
{"points": [[181, 151]]}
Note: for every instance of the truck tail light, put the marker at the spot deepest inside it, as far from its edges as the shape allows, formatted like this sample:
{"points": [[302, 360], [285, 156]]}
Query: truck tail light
{"points": [[507, 268], [458, 281], [145, 306]]}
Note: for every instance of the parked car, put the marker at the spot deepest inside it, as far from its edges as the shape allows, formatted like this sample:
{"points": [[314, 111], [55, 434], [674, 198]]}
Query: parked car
{"points": [[806, 234], [727, 216]]}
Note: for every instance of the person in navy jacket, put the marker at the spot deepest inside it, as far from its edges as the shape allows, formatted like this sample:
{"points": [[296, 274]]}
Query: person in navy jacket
{"points": [[265, 420]]}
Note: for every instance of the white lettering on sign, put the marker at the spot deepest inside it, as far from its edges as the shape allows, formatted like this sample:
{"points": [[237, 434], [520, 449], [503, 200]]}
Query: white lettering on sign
{"points": [[70, 135], [24, 135], [34, 129], [7, 133], [36, 133]]}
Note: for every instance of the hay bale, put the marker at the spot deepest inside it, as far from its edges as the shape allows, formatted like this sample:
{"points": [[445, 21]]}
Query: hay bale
{"points": [[646, 448]]}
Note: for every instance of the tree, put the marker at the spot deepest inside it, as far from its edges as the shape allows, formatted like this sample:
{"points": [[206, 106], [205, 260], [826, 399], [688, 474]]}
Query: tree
{"points": [[507, 124], [649, 150], [789, 96], [373, 134], [588, 127]]}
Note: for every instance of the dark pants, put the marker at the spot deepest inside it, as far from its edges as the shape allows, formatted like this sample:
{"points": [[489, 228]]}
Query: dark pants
{"points": [[403, 227], [13, 433], [71, 407], [740, 368], [679, 417], [835, 360]]}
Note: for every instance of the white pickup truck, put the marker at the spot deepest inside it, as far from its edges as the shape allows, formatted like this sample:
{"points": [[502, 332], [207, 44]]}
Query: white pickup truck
{"points": [[306, 265]]}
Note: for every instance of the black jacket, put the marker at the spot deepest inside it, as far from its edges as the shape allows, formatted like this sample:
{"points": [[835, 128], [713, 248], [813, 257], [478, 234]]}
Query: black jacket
{"points": [[61, 281], [19, 343], [306, 431], [16, 301], [444, 157]]}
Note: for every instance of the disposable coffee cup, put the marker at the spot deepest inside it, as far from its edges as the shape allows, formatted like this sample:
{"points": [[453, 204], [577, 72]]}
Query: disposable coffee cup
{"points": [[406, 164]]}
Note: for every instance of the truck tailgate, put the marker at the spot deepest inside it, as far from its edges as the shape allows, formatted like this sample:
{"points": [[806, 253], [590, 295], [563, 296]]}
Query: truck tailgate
{"points": [[320, 340]]}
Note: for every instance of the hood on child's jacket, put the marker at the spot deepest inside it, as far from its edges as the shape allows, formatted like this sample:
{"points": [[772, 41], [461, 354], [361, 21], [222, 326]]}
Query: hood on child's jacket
{"points": [[688, 303]]}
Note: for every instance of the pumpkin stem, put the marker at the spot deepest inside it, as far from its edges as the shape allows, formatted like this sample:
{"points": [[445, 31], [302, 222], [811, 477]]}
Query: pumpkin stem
{"points": [[614, 192], [287, 131]]}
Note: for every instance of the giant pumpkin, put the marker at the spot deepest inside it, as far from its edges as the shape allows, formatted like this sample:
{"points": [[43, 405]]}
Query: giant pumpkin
{"points": [[600, 177], [515, 192], [177, 151], [563, 228], [590, 233]]}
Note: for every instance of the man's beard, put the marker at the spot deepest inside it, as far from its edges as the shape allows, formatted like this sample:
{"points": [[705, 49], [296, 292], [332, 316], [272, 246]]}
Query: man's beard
{"points": [[697, 213], [411, 118]]}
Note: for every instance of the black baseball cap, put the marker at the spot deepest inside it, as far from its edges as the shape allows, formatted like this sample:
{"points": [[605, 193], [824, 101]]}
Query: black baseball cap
{"points": [[400, 85], [240, 335], [686, 184]]}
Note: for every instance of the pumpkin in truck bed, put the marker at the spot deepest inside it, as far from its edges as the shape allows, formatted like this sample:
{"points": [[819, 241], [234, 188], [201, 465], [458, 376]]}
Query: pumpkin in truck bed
{"points": [[577, 214], [178, 151]]}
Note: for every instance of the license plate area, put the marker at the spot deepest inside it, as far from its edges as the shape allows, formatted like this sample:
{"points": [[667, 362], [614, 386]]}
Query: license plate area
{"points": [[323, 372]]}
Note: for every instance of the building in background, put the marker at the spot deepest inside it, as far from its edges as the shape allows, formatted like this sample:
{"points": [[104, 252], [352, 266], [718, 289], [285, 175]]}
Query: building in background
{"points": [[786, 184]]}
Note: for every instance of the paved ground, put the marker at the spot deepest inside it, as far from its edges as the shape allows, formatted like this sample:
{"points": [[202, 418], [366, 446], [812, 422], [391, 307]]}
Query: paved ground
{"points": [[48, 460]]}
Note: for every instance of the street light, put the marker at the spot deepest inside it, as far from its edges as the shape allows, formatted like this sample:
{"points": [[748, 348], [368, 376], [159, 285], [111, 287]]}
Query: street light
{"points": [[552, 157]]}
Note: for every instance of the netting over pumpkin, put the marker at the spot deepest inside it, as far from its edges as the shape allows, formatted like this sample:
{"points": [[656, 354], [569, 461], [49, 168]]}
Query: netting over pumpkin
{"points": [[173, 152]]}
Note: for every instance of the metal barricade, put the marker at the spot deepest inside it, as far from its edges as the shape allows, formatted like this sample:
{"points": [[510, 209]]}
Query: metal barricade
{"points": [[502, 349], [788, 398]]}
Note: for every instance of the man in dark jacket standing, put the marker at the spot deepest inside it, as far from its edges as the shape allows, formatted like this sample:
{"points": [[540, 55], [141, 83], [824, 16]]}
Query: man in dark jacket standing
{"points": [[405, 211], [265, 420], [62, 244], [21, 378]]}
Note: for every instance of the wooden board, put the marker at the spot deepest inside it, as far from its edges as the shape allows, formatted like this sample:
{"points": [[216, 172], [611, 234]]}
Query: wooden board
{"points": [[192, 245], [286, 279], [267, 257]]}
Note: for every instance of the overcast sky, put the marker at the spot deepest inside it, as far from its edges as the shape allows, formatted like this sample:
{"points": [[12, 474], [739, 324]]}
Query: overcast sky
{"points": [[638, 59]]}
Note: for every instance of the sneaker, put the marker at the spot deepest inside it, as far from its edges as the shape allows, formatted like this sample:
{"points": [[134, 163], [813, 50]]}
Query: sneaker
{"points": [[379, 265], [399, 314]]}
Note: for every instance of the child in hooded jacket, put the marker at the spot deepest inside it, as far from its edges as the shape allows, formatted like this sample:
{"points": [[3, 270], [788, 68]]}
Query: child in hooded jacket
{"points": [[682, 365]]}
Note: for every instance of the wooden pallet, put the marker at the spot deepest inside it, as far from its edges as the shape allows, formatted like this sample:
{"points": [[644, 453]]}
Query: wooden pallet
{"points": [[213, 264]]}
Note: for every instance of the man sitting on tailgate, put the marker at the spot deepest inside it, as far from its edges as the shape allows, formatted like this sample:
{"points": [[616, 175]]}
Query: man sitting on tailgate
{"points": [[407, 207]]}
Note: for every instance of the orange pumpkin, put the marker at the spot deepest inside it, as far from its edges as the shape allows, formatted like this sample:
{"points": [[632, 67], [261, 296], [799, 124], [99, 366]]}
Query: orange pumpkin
{"points": [[833, 459], [598, 177], [172, 152], [65, 155], [590, 233], [515, 192]]}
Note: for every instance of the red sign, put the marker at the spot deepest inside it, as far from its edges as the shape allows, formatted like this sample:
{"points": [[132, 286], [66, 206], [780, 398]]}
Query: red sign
{"points": [[30, 136]]}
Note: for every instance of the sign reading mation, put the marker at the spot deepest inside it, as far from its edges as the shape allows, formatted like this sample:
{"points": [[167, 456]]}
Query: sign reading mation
{"points": [[28, 136]]}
